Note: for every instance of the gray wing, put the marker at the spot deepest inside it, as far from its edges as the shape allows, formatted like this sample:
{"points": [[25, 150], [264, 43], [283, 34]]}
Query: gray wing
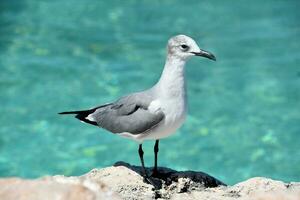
{"points": [[128, 114]]}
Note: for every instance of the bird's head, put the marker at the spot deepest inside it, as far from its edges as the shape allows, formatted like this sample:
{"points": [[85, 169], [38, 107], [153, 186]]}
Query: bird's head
{"points": [[184, 47]]}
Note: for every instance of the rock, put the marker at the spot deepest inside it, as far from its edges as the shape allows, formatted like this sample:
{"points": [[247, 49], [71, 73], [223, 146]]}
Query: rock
{"points": [[123, 181], [54, 188]]}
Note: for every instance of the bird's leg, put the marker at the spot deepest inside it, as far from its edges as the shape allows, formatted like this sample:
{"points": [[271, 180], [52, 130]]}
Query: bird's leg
{"points": [[157, 184], [156, 149], [141, 153]]}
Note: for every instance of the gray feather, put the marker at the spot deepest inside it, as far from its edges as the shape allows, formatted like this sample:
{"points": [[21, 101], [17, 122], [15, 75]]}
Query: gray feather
{"points": [[128, 114]]}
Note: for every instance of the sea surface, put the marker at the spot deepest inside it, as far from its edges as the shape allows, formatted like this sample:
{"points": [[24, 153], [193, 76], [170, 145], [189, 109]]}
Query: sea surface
{"points": [[60, 55]]}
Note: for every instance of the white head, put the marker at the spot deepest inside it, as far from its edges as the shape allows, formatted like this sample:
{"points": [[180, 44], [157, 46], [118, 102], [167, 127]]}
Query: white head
{"points": [[184, 47]]}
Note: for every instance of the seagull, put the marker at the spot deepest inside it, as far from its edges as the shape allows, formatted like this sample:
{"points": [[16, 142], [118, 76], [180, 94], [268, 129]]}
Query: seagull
{"points": [[154, 113]]}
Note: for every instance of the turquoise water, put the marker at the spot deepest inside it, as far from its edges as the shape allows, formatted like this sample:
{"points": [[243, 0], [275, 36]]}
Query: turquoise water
{"points": [[244, 109]]}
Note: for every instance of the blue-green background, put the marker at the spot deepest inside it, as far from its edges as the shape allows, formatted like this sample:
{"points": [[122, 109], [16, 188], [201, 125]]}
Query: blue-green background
{"points": [[244, 109]]}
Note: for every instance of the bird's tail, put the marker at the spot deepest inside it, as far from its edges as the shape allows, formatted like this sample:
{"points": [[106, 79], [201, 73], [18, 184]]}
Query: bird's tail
{"points": [[82, 115]]}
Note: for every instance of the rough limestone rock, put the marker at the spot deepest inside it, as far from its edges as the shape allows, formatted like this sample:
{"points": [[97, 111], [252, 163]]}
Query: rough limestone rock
{"points": [[123, 181], [54, 188]]}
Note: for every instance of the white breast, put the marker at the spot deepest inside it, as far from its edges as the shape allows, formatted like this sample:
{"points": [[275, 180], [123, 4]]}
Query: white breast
{"points": [[171, 100]]}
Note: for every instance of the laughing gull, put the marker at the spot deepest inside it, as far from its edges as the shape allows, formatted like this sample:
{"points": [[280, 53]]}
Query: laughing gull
{"points": [[155, 113]]}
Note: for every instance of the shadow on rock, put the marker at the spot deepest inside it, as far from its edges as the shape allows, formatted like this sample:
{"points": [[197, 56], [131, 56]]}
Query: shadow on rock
{"points": [[169, 176]]}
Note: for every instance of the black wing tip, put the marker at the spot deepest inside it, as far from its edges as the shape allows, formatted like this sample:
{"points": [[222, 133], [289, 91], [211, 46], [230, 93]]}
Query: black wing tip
{"points": [[83, 111], [71, 112]]}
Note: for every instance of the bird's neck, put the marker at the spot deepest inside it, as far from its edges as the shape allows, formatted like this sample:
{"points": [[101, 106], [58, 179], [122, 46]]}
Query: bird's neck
{"points": [[172, 80]]}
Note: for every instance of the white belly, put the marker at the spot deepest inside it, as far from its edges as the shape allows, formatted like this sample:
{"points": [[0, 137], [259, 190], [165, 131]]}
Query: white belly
{"points": [[165, 129]]}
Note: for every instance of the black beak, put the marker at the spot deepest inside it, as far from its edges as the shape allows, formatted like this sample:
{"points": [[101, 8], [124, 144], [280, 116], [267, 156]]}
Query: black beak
{"points": [[205, 54]]}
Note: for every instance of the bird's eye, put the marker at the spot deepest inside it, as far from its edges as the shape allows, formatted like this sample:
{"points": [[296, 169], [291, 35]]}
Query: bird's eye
{"points": [[184, 47]]}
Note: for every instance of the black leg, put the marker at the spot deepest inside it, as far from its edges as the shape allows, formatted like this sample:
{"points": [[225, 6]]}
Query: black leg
{"points": [[156, 149], [141, 153], [157, 184]]}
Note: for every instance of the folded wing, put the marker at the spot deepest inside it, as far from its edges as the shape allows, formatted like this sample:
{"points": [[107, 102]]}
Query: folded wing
{"points": [[129, 114]]}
